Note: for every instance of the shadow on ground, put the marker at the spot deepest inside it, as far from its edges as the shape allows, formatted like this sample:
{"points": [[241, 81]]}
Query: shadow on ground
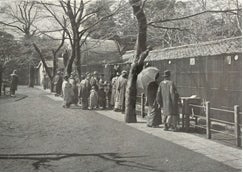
{"points": [[41, 159]]}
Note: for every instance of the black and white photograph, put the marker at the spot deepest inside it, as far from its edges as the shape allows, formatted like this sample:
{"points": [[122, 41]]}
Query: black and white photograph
{"points": [[120, 86]]}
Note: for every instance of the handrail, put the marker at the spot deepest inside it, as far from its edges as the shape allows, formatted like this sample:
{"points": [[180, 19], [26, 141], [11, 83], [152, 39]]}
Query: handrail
{"points": [[223, 110], [198, 106], [222, 121], [222, 132]]}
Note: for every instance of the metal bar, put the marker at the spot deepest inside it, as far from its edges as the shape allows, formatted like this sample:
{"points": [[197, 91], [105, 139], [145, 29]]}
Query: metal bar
{"points": [[197, 106], [201, 126], [208, 123], [237, 121], [222, 132], [199, 116], [223, 110], [222, 121]]}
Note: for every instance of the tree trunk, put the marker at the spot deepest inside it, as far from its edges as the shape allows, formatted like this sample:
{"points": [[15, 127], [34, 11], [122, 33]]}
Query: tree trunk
{"points": [[137, 65], [31, 75], [54, 70], [1, 78], [52, 84]]}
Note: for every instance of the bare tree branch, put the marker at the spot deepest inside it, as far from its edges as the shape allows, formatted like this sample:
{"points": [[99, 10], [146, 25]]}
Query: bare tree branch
{"points": [[193, 15]]}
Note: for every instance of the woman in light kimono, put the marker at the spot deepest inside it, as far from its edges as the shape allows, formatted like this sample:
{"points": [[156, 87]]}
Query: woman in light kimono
{"points": [[67, 93]]}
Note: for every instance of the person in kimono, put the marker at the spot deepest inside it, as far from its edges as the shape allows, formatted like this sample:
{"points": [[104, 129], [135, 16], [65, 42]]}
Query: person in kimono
{"points": [[113, 92], [93, 98], [13, 83], [84, 93], [73, 82], [121, 91], [167, 98], [67, 92], [154, 113]]}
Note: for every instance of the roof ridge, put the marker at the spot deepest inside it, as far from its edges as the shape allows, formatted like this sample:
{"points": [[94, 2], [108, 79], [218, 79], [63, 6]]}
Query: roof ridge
{"points": [[198, 44]]}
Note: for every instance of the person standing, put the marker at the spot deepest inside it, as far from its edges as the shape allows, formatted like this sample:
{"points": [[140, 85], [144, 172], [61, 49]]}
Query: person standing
{"points": [[45, 82], [167, 97], [154, 113], [94, 80], [93, 99], [67, 92], [121, 91], [58, 83], [107, 89], [84, 93], [13, 83], [73, 82], [113, 92]]}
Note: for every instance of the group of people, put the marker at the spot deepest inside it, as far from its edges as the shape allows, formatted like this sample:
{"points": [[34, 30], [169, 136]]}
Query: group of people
{"points": [[93, 91], [162, 98]]}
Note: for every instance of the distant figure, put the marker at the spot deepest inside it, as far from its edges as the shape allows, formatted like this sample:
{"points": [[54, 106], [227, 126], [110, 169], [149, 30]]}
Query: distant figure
{"points": [[93, 98], [13, 83], [58, 83], [84, 93], [107, 89], [102, 97], [67, 92], [113, 92], [154, 113], [45, 81], [120, 92], [73, 82], [167, 97], [94, 80]]}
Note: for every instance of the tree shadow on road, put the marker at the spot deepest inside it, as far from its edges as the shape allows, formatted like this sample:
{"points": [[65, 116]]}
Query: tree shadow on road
{"points": [[41, 159]]}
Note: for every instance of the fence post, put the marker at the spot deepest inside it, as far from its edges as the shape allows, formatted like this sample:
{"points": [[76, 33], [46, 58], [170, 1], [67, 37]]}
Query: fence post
{"points": [[237, 126], [183, 113], [142, 104], [208, 122]]}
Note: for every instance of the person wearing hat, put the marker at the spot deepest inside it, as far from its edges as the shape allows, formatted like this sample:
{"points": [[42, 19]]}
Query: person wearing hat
{"points": [[13, 83], [167, 98], [120, 92]]}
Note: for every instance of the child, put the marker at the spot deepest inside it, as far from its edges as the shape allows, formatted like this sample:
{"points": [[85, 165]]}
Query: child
{"points": [[93, 98]]}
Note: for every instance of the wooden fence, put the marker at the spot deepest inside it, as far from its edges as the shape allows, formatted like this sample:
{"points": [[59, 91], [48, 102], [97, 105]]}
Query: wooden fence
{"points": [[205, 112]]}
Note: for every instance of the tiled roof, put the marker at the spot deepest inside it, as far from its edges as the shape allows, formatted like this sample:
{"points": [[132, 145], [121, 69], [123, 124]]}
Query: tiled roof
{"points": [[211, 48]]}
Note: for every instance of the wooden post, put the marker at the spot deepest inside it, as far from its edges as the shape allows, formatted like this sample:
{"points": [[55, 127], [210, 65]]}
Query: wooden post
{"points": [[142, 105], [183, 113], [208, 122], [237, 126]]}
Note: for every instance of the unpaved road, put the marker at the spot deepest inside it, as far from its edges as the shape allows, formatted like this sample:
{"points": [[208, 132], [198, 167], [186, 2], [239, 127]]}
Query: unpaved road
{"points": [[37, 134]]}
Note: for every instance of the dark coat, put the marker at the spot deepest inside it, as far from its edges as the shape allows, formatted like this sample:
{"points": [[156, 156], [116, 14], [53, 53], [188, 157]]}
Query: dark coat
{"points": [[85, 88], [154, 114], [14, 82], [167, 97]]}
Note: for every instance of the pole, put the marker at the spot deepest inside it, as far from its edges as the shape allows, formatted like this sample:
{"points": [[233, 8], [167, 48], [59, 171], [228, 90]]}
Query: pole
{"points": [[208, 122], [237, 126]]}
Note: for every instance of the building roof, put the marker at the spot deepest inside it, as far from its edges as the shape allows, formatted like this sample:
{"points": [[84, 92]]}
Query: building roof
{"points": [[211, 48], [96, 51], [49, 63]]}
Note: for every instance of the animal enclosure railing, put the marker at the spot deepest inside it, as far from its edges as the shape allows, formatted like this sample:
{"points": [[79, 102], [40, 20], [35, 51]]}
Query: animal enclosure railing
{"points": [[209, 119]]}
